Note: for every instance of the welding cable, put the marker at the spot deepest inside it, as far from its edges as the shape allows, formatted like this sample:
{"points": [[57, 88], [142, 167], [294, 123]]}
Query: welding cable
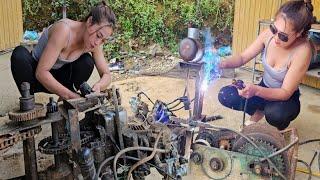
{"points": [[133, 149], [250, 141], [174, 105], [308, 166], [180, 107], [146, 159], [282, 149], [138, 95], [244, 111], [308, 141], [178, 99]]}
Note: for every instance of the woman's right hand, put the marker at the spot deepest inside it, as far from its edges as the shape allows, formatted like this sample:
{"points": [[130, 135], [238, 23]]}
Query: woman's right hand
{"points": [[74, 96]]}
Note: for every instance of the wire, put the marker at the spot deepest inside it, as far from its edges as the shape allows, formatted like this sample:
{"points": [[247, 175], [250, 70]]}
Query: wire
{"points": [[309, 168], [282, 150], [308, 141], [146, 159], [145, 96]]}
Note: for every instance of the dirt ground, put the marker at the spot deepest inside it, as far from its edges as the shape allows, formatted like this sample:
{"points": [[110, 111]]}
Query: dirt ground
{"points": [[165, 89]]}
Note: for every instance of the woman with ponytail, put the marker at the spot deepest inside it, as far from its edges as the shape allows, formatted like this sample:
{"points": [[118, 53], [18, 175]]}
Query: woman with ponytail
{"points": [[286, 54], [65, 55]]}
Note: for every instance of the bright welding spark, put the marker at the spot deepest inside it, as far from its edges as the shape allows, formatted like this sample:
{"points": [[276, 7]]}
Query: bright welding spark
{"points": [[211, 60], [204, 85]]}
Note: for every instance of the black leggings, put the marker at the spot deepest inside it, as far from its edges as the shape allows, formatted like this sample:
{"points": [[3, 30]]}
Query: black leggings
{"points": [[72, 75], [277, 113]]}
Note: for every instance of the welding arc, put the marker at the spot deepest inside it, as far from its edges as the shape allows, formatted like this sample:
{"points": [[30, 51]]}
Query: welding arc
{"points": [[146, 159]]}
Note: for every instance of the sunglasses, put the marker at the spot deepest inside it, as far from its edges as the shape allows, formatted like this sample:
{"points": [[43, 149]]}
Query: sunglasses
{"points": [[281, 35]]}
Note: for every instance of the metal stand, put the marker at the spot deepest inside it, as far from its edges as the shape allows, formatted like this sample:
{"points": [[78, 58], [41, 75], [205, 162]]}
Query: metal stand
{"points": [[199, 94]]}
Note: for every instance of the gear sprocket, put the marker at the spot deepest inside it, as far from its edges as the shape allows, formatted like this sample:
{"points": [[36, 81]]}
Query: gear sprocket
{"points": [[63, 144], [20, 116], [8, 140], [268, 144]]}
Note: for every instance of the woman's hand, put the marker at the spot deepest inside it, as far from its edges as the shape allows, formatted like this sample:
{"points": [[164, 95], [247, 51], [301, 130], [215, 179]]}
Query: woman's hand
{"points": [[96, 88], [74, 96], [249, 90]]}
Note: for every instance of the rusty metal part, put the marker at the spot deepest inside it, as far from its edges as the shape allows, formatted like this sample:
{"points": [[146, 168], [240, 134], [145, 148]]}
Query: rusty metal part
{"points": [[8, 140], [216, 164], [30, 160], [11, 127], [269, 140], [63, 144], [63, 171], [26, 100], [218, 139], [48, 146], [17, 115], [74, 129], [139, 124], [265, 129], [95, 144]]}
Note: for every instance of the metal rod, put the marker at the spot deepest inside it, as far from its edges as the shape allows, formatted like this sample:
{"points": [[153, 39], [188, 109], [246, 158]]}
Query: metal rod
{"points": [[198, 99], [253, 72], [30, 160], [117, 117]]}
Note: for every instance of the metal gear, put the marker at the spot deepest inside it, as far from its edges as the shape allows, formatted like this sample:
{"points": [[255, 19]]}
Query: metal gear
{"points": [[11, 139], [21, 116], [268, 143], [267, 149], [47, 145]]}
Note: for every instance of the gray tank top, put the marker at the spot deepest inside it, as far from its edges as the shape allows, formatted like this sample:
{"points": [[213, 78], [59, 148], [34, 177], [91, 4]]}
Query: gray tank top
{"points": [[273, 78], [42, 43]]}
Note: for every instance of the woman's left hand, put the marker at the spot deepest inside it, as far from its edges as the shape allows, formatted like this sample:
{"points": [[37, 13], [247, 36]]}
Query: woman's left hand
{"points": [[249, 90], [96, 88]]}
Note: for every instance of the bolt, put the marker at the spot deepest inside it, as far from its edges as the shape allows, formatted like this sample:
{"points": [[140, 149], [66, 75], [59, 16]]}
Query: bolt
{"points": [[25, 89], [196, 158], [216, 164], [257, 169]]}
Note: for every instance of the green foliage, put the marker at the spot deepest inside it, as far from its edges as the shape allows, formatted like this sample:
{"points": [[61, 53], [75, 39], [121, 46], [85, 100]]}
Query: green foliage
{"points": [[140, 21]]}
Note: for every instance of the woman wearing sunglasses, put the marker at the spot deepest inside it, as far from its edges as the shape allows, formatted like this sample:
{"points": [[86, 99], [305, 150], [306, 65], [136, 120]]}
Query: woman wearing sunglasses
{"points": [[66, 54], [286, 55]]}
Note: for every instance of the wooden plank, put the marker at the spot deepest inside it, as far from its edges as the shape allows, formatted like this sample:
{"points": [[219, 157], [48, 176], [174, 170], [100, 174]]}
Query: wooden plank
{"points": [[1, 25], [11, 26]]}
